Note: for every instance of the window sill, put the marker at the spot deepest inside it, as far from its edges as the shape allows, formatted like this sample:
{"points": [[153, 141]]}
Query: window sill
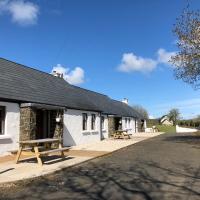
{"points": [[4, 137], [85, 131], [89, 132]]}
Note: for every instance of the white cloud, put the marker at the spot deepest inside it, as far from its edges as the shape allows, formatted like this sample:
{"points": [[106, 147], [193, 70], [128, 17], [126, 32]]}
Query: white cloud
{"points": [[133, 63], [130, 63], [22, 12], [164, 56], [75, 77]]}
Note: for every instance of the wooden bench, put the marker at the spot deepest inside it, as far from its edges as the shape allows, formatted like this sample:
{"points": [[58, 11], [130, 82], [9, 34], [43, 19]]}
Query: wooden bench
{"points": [[54, 151], [40, 151], [128, 135], [14, 151], [122, 134]]}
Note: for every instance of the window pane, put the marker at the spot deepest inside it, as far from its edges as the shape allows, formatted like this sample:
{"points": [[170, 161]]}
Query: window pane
{"points": [[93, 121], [125, 122], [102, 122], [2, 120], [84, 122]]}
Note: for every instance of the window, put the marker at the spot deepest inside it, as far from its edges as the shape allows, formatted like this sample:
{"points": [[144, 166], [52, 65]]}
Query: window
{"points": [[126, 123], [129, 123], [84, 118], [2, 120], [102, 122], [93, 122]]}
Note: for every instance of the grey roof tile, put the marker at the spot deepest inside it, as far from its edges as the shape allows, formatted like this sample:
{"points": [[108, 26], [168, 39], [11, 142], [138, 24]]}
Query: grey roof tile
{"points": [[25, 84]]}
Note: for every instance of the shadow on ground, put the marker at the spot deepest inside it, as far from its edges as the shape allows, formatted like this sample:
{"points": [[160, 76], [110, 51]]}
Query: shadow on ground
{"points": [[48, 160], [140, 181], [151, 170], [191, 139]]}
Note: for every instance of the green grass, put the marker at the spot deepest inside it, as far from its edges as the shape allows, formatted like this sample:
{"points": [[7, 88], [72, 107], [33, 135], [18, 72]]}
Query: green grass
{"points": [[166, 129]]}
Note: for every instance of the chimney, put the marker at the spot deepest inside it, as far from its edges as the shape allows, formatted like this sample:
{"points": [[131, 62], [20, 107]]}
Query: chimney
{"points": [[57, 74], [125, 100]]}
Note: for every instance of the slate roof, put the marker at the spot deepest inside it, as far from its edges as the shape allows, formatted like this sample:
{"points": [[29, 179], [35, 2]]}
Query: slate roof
{"points": [[110, 106], [24, 84]]}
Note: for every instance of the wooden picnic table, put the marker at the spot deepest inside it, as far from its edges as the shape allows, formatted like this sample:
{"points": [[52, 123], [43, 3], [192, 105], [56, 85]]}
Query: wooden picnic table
{"points": [[34, 146], [122, 134]]}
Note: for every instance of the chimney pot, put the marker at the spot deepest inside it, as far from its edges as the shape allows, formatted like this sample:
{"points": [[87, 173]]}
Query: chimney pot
{"points": [[125, 100], [57, 74]]}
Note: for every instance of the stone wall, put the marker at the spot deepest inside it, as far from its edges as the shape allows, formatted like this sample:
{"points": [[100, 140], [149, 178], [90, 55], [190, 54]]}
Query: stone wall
{"points": [[27, 123], [58, 133], [111, 126]]}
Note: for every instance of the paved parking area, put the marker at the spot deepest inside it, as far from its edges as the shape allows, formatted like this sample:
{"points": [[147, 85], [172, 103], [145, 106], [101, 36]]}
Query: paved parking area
{"points": [[29, 168], [164, 167]]}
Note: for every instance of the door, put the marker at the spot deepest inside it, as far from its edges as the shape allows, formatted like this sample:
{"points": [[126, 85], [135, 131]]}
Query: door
{"points": [[42, 124]]}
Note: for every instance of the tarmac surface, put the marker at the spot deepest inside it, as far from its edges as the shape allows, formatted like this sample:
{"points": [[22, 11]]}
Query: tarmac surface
{"points": [[159, 168]]}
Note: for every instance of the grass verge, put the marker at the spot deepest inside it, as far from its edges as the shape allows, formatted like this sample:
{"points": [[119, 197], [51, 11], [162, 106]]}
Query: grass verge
{"points": [[166, 129]]}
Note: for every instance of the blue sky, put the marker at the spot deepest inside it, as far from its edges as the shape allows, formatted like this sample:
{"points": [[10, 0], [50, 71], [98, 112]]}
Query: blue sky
{"points": [[119, 48]]}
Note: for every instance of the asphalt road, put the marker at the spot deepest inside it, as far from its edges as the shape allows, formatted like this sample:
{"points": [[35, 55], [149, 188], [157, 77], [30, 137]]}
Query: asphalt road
{"points": [[164, 167]]}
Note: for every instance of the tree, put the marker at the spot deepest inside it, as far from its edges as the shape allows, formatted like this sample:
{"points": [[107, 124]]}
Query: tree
{"points": [[198, 117], [174, 115], [187, 59], [141, 110]]}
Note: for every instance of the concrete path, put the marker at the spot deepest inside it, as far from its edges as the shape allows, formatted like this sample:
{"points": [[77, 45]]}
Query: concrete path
{"points": [[166, 167], [10, 172]]}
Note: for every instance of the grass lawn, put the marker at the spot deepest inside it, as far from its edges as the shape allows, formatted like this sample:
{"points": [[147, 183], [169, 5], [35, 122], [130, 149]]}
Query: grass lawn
{"points": [[167, 129]]}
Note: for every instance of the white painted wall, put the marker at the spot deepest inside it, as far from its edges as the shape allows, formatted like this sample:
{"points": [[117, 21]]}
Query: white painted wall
{"points": [[9, 140], [136, 126], [133, 124], [105, 130], [73, 133], [185, 130], [145, 124], [130, 127]]}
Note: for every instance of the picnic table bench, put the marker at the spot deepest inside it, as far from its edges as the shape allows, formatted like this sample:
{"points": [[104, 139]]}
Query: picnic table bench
{"points": [[122, 134], [39, 151]]}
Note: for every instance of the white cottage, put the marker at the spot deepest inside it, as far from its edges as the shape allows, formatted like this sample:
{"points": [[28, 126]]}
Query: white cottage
{"points": [[36, 105]]}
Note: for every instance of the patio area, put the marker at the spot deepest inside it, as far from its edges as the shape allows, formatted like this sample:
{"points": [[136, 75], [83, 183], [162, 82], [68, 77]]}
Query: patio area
{"points": [[29, 168]]}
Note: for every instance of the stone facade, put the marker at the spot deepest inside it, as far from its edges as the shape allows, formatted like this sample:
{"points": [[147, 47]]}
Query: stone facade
{"points": [[111, 126], [27, 123], [58, 133]]}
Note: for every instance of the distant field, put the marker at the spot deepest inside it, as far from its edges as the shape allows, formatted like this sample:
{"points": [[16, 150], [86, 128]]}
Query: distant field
{"points": [[167, 129]]}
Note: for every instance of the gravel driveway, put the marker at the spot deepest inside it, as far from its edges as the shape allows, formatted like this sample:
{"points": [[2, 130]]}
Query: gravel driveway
{"points": [[164, 167]]}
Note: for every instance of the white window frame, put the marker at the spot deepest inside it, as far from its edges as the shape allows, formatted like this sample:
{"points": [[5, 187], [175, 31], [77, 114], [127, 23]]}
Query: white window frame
{"points": [[129, 123], [103, 122], [2, 120], [126, 123], [84, 121], [93, 122]]}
